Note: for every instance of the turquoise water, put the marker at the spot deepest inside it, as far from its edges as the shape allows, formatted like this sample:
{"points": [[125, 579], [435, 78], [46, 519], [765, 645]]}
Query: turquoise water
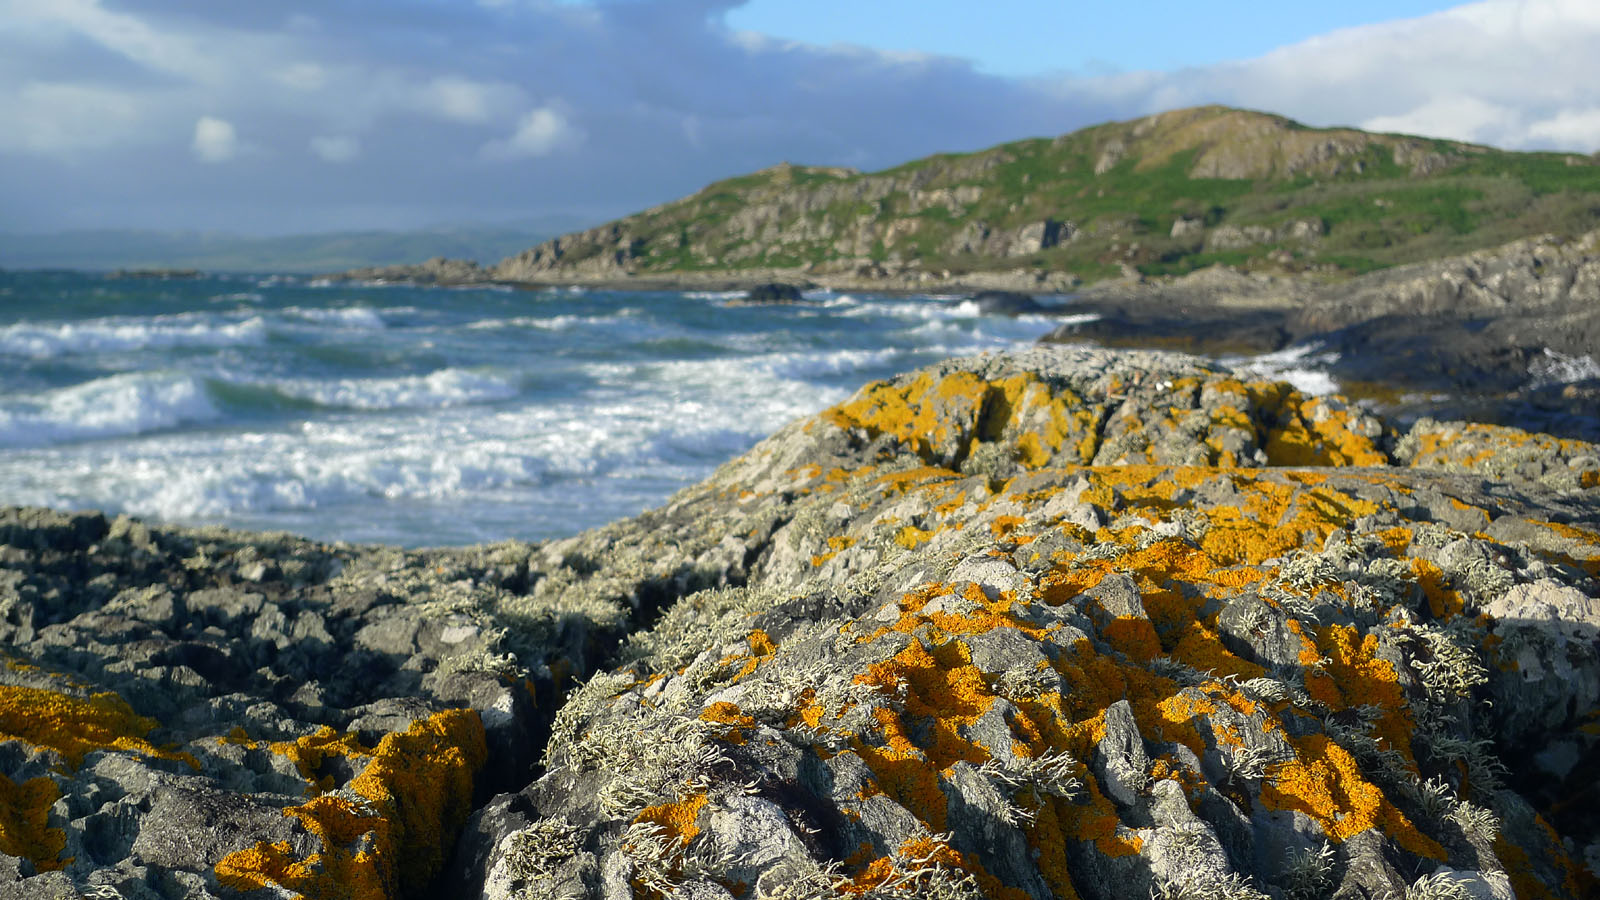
{"points": [[420, 416]]}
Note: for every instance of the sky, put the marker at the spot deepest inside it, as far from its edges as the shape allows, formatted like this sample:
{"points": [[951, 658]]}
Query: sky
{"points": [[280, 117]]}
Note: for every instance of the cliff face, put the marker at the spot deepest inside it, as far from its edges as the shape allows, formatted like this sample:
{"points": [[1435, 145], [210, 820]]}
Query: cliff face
{"points": [[1164, 194], [1047, 624]]}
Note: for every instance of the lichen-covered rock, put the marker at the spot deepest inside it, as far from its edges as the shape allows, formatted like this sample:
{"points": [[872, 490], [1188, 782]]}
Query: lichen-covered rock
{"points": [[1055, 623], [256, 712], [1070, 623]]}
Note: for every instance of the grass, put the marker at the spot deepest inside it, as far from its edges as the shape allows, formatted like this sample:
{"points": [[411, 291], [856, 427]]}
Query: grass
{"points": [[1375, 212]]}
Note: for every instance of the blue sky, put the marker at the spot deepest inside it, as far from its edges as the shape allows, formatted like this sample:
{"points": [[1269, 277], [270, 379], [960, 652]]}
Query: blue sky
{"points": [[315, 115], [1021, 38]]}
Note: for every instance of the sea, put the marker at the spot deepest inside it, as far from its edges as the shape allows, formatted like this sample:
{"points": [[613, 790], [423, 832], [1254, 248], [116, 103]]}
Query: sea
{"points": [[427, 416]]}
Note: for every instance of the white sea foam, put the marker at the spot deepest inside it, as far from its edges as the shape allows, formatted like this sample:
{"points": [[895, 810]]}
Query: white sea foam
{"points": [[356, 317], [801, 366], [241, 297], [1555, 367], [493, 288], [106, 407], [546, 323], [716, 295], [1300, 365], [43, 340], [443, 388], [493, 443]]}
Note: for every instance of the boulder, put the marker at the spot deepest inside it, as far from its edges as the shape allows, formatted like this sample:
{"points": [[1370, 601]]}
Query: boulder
{"points": [[773, 292]]}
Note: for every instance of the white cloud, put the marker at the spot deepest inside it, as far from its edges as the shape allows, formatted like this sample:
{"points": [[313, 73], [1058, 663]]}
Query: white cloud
{"points": [[541, 132], [48, 118], [125, 34], [1458, 118], [1513, 73], [336, 149], [303, 76], [670, 99], [214, 140], [464, 100], [1578, 129]]}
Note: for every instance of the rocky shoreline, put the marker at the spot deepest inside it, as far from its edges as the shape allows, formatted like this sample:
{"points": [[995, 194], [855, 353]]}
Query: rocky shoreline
{"points": [[1057, 623], [467, 273], [1509, 336]]}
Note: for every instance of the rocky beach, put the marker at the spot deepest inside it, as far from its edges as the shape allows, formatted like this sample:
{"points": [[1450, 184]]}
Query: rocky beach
{"points": [[1045, 623], [1200, 507]]}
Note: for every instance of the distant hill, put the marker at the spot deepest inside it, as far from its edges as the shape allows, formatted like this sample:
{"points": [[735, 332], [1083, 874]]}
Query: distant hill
{"points": [[133, 249], [1164, 194]]}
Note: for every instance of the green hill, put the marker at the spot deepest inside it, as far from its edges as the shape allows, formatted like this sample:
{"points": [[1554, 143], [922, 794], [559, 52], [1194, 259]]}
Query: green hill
{"points": [[1164, 194]]}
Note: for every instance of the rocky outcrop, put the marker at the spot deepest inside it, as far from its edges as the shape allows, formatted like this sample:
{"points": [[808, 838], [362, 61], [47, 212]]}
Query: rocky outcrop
{"points": [[1151, 194], [773, 292], [203, 713], [1510, 335], [1031, 631], [1234, 237], [438, 270], [1057, 623]]}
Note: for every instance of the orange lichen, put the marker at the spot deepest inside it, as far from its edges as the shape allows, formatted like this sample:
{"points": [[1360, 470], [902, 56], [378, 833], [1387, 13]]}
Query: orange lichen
{"points": [[927, 852], [725, 713], [761, 649], [310, 752], [416, 792], [77, 726], [921, 414], [944, 694], [1354, 676], [678, 819], [25, 830], [1133, 636], [835, 545], [949, 416], [1324, 781], [1002, 526]]}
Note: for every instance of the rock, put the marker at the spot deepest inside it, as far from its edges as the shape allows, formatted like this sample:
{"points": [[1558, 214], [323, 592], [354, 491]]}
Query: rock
{"points": [[1202, 675], [1053, 622], [1506, 335], [773, 292], [437, 270], [1184, 226], [153, 274]]}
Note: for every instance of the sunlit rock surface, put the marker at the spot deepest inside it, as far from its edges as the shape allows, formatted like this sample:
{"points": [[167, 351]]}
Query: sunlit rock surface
{"points": [[1061, 623]]}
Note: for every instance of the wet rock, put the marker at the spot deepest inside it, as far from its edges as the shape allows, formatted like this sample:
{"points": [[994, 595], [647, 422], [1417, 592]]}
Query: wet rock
{"points": [[773, 292]]}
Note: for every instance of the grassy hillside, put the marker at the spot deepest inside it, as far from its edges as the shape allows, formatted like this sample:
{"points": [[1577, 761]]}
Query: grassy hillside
{"points": [[1165, 194]]}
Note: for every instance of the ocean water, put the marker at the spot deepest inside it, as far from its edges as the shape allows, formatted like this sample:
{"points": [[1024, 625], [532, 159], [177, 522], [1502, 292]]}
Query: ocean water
{"points": [[420, 416]]}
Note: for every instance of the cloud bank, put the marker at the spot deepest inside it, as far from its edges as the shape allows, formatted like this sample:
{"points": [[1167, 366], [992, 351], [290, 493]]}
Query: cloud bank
{"points": [[172, 113]]}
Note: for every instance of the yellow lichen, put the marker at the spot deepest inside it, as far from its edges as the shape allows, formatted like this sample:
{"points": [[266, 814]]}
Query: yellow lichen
{"points": [[25, 830], [677, 818], [1324, 781], [77, 726], [416, 792]]}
